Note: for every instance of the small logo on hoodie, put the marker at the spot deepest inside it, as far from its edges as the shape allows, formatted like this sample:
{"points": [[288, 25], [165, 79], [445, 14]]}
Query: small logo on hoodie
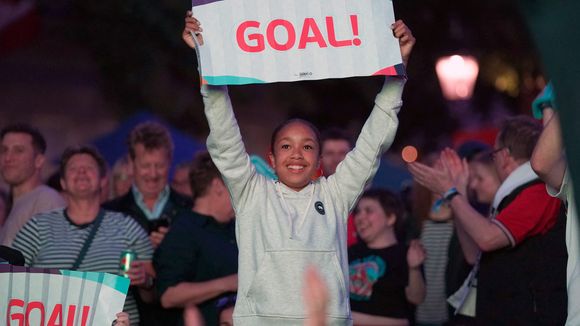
{"points": [[319, 207]]}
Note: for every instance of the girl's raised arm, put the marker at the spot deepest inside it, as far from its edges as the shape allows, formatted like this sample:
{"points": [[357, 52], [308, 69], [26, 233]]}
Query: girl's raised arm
{"points": [[361, 164], [224, 142]]}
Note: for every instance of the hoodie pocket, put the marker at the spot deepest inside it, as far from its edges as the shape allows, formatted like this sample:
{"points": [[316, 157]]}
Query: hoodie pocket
{"points": [[276, 290]]}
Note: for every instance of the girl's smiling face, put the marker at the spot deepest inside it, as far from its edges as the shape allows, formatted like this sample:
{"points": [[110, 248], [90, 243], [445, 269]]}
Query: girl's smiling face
{"points": [[295, 155]]}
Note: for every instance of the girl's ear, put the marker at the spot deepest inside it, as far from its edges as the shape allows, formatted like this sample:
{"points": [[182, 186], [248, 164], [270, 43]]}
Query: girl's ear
{"points": [[271, 160], [318, 172]]}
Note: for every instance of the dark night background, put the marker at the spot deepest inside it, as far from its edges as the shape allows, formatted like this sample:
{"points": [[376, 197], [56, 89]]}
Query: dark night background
{"points": [[76, 69]]}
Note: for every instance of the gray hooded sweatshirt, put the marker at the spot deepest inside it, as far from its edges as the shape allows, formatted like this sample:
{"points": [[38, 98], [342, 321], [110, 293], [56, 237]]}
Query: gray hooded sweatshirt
{"points": [[280, 232]]}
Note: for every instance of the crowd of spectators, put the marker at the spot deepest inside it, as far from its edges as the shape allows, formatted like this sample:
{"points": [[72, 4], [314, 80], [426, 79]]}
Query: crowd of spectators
{"points": [[498, 229], [186, 247]]}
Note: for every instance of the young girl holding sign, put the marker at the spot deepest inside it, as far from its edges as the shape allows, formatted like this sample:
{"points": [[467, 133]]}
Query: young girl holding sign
{"points": [[284, 226]]}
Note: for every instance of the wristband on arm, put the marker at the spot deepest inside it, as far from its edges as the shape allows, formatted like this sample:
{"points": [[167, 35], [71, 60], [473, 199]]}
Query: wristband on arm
{"points": [[447, 196], [544, 100]]}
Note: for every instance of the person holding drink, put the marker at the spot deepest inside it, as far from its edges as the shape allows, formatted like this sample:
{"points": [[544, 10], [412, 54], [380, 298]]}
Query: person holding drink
{"points": [[85, 237]]}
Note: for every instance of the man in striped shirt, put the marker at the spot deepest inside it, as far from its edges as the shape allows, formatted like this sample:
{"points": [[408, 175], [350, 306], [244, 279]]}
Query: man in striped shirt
{"points": [[54, 239]]}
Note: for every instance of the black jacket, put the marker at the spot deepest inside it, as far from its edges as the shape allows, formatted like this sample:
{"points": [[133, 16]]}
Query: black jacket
{"points": [[126, 204]]}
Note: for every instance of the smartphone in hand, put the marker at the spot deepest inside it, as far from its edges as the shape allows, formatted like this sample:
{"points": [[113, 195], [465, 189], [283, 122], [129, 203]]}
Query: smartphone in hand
{"points": [[156, 224]]}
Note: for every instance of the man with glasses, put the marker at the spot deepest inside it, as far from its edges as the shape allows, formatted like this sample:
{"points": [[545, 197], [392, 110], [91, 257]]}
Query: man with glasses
{"points": [[494, 152], [519, 250]]}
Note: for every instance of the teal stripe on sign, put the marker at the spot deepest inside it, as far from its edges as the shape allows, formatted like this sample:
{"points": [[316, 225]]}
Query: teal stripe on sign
{"points": [[231, 80], [116, 282]]}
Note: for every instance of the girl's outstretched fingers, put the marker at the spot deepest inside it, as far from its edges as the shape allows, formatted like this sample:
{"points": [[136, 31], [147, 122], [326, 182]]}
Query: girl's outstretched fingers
{"points": [[406, 39], [192, 29]]}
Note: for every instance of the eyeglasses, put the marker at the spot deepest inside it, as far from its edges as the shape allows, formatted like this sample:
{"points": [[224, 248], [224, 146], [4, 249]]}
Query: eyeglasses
{"points": [[493, 153]]}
